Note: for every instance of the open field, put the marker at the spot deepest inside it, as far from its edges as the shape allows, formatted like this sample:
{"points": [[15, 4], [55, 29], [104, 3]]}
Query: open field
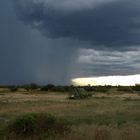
{"points": [[114, 116]]}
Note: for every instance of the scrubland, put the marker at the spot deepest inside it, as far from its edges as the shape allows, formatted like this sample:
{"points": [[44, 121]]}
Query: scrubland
{"points": [[113, 115]]}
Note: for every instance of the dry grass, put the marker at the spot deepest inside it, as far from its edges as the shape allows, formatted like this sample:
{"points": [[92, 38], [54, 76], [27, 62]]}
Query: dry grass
{"points": [[104, 133], [103, 117]]}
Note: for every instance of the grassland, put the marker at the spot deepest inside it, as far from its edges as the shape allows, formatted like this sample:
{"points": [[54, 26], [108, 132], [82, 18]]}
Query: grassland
{"points": [[113, 116]]}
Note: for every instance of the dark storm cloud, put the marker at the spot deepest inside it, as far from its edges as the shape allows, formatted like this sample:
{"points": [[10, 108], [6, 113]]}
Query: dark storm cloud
{"points": [[12, 37], [48, 61], [101, 63], [41, 40], [26, 56], [108, 23]]}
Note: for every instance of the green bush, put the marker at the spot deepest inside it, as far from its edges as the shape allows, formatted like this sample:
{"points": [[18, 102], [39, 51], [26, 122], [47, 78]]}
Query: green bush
{"points": [[136, 87], [24, 125], [37, 124], [102, 88], [78, 93]]}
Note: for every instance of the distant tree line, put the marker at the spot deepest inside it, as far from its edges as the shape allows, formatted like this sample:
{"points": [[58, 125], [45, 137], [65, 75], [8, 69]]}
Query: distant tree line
{"points": [[59, 88]]}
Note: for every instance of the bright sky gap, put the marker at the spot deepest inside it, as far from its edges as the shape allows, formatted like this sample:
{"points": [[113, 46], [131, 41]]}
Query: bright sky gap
{"points": [[108, 80]]}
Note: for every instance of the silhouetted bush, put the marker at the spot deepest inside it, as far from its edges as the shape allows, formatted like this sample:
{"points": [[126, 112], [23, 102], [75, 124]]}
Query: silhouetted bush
{"points": [[37, 124], [58, 89], [13, 88], [78, 93], [24, 125], [124, 88], [47, 87], [31, 86], [89, 88], [101, 88], [54, 88], [97, 88], [136, 87]]}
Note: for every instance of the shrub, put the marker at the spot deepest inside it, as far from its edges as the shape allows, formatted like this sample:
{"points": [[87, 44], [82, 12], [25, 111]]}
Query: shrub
{"points": [[99, 88], [13, 88], [36, 125], [47, 87], [124, 88], [78, 93], [89, 88], [58, 89], [31, 86], [103, 89], [24, 125], [136, 87]]}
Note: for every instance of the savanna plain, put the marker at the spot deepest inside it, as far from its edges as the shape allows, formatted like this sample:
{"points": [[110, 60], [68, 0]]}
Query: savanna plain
{"points": [[49, 115]]}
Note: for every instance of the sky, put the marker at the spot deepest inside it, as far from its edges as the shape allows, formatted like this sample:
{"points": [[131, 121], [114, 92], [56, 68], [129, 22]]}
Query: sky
{"points": [[46, 41], [129, 80]]}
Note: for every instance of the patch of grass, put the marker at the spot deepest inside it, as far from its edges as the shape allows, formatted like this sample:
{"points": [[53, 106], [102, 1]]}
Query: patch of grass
{"points": [[88, 132], [101, 97], [113, 116], [102, 133], [39, 125], [124, 89], [130, 99]]}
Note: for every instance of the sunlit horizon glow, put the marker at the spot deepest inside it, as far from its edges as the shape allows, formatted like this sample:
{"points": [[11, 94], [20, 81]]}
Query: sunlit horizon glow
{"points": [[108, 80]]}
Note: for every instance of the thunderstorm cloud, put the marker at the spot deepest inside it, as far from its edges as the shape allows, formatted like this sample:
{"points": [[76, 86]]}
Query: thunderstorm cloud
{"points": [[110, 23], [53, 41]]}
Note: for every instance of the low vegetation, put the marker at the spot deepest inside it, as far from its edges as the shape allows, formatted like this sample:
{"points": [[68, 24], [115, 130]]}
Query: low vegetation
{"points": [[101, 113], [78, 93], [37, 126], [53, 88], [136, 87]]}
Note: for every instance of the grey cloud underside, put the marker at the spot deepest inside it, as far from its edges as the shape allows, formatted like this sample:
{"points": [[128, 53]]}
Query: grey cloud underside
{"points": [[12, 35], [49, 50], [101, 63], [26, 56], [113, 24]]}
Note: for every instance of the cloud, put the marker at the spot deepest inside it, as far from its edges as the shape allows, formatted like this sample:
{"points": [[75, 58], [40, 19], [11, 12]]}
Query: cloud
{"points": [[103, 62], [66, 5], [47, 60], [107, 31], [12, 38], [108, 23], [47, 41]]}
